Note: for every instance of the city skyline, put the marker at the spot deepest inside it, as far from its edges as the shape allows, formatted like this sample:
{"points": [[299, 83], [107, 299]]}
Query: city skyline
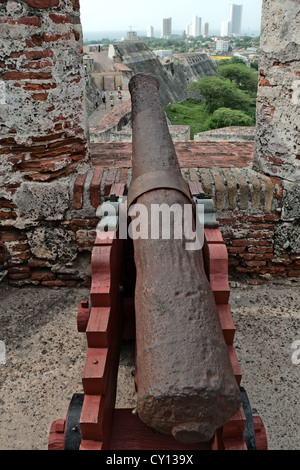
{"points": [[139, 16]]}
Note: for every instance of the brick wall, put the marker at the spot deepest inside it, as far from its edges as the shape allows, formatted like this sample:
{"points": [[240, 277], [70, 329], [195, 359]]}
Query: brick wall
{"points": [[43, 132], [43, 125], [248, 209]]}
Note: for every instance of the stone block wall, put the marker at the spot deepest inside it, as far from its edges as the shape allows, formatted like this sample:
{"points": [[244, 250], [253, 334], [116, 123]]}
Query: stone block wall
{"points": [[43, 126], [43, 131], [277, 142]]}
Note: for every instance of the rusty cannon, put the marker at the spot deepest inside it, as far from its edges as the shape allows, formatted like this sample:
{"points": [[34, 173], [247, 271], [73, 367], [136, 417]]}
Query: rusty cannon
{"points": [[173, 302], [186, 385]]}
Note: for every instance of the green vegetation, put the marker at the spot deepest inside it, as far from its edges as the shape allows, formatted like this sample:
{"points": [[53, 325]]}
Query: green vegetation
{"points": [[189, 113], [228, 99]]}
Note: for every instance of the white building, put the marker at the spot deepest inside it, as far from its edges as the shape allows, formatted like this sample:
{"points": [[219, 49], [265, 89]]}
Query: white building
{"points": [[233, 26], [194, 28], [166, 28], [150, 32], [226, 28], [222, 46], [163, 53]]}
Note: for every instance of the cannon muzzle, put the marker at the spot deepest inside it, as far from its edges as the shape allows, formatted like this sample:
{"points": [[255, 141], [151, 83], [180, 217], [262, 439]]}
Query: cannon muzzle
{"points": [[186, 384]]}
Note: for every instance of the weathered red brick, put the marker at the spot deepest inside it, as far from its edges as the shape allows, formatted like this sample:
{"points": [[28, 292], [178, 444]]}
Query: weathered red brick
{"points": [[36, 55], [19, 275], [262, 249], [7, 215], [40, 96], [75, 4], [78, 191], [36, 65], [42, 3], [59, 19], [43, 276], [15, 75], [56, 37], [256, 263], [84, 223], [236, 249], [38, 263], [95, 187], [59, 283], [38, 86], [110, 179]]}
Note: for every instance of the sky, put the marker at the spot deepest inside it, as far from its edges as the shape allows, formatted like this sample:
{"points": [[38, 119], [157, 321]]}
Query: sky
{"points": [[120, 15]]}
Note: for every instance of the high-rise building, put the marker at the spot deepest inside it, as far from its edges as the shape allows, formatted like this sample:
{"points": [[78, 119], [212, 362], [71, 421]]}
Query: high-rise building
{"points": [[232, 27], [235, 17], [196, 27], [150, 32], [193, 29], [205, 29], [166, 28], [226, 28]]}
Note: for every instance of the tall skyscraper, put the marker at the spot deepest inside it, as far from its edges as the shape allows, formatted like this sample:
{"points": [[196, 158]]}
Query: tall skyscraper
{"points": [[193, 29], [205, 29], [166, 28], [235, 17], [150, 32], [226, 28], [196, 27], [233, 26]]}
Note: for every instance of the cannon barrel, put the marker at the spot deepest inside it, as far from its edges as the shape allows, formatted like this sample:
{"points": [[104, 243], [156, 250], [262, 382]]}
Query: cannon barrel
{"points": [[186, 384]]}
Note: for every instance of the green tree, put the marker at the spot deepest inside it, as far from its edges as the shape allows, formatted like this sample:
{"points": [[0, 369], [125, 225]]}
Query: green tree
{"points": [[244, 77], [226, 117], [222, 93]]}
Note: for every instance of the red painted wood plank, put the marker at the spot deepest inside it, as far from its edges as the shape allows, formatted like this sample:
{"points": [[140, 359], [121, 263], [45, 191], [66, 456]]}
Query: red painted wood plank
{"points": [[217, 258], [91, 445], [235, 444], [91, 418], [213, 235], [227, 323], [95, 372], [235, 427], [235, 364], [220, 287], [129, 432], [56, 440], [101, 276], [99, 330], [82, 316]]}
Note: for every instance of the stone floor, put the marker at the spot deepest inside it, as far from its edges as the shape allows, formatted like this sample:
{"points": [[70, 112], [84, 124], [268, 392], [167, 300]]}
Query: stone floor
{"points": [[45, 357]]}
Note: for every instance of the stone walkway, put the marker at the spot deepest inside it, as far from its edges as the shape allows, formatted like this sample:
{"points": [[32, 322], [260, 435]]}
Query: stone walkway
{"points": [[95, 118]]}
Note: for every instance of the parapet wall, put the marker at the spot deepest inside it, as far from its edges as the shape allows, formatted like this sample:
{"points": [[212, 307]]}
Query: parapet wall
{"points": [[52, 180], [54, 249]]}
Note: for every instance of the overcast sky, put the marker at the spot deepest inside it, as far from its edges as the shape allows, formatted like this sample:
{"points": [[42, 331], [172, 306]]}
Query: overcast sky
{"points": [[97, 15]]}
